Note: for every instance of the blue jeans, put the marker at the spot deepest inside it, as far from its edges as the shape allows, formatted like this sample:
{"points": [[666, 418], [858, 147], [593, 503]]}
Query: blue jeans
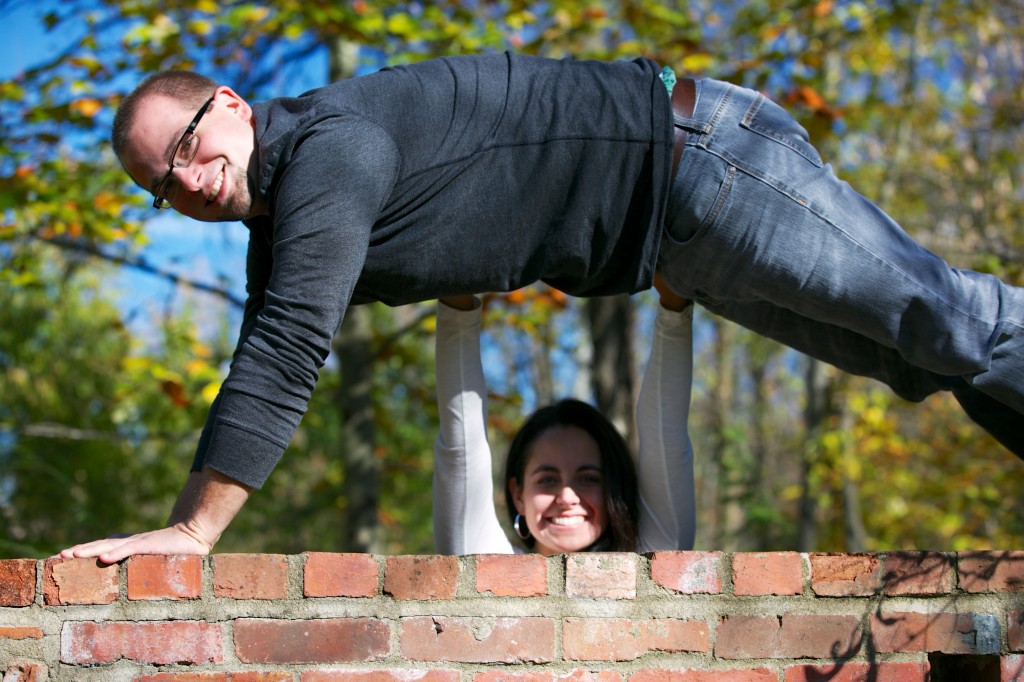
{"points": [[760, 231]]}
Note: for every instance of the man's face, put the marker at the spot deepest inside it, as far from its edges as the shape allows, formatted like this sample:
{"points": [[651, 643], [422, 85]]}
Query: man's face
{"points": [[215, 185]]}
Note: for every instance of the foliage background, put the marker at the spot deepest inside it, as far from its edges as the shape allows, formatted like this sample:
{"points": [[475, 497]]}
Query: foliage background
{"points": [[918, 105]]}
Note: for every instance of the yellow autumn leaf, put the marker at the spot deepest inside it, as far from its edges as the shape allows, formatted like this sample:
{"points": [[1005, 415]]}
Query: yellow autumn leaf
{"points": [[401, 24], [209, 392], [87, 106]]}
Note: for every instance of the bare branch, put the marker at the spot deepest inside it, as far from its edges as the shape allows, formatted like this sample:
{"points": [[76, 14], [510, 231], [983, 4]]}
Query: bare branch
{"points": [[140, 263]]}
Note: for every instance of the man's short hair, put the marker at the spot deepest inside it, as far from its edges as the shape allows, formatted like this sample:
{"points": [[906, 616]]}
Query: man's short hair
{"points": [[190, 89]]}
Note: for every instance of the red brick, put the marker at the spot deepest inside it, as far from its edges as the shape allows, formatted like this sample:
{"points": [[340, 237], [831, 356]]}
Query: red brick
{"points": [[548, 676], [918, 573], [328, 640], [695, 675], [20, 633], [421, 577], [848, 671], [165, 577], [250, 676], [788, 636], [845, 575], [478, 640], [512, 575], [404, 675], [21, 670], [79, 581], [950, 633], [17, 582], [991, 571], [687, 572], [601, 575], [1011, 668], [1015, 630], [761, 573], [150, 642], [250, 576], [327, 574], [620, 639]]}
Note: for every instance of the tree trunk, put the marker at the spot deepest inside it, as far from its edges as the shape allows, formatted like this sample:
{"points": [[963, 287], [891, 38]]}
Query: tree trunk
{"points": [[611, 327], [354, 349], [815, 419]]}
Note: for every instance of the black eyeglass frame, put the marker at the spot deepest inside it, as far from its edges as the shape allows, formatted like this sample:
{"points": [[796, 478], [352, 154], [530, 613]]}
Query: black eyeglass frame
{"points": [[159, 199]]}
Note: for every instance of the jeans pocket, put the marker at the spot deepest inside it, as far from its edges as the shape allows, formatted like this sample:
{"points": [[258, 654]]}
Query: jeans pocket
{"points": [[768, 119], [697, 200]]}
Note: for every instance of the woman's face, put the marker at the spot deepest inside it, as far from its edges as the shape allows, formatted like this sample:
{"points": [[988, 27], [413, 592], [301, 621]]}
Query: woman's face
{"points": [[561, 497]]}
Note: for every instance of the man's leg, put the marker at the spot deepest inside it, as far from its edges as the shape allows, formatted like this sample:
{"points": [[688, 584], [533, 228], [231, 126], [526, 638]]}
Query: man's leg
{"points": [[754, 217]]}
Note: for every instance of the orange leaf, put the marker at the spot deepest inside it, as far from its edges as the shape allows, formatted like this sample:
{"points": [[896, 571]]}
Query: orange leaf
{"points": [[87, 107], [175, 391]]}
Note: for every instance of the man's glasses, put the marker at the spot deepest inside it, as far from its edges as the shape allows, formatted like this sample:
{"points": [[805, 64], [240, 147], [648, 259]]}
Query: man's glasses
{"points": [[183, 154]]}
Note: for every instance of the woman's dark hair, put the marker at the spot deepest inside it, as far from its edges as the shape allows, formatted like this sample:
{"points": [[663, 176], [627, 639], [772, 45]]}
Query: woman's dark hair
{"points": [[621, 496]]}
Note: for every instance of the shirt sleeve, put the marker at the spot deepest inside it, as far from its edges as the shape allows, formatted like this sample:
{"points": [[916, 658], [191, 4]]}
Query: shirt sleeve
{"points": [[465, 520], [665, 457], [258, 265], [325, 201]]}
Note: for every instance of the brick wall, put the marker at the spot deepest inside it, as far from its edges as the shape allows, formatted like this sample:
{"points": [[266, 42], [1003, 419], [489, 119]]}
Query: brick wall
{"points": [[665, 617]]}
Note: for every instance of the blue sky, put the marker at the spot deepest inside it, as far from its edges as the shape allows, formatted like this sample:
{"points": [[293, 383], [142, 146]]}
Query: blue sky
{"points": [[196, 251]]}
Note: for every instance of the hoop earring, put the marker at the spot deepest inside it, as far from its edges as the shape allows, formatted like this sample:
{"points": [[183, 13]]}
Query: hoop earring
{"points": [[519, 530]]}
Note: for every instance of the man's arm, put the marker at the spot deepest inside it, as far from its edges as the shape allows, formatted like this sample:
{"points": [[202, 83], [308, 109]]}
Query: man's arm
{"points": [[205, 507]]}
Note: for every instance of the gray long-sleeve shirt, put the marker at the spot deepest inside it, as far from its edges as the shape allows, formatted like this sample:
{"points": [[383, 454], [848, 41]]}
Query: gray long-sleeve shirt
{"points": [[454, 175]]}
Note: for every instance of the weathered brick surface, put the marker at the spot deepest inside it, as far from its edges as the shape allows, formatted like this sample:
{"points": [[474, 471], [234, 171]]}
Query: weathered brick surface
{"points": [[1015, 630], [763, 573], [549, 676], [478, 640], [1011, 669], [21, 670], [327, 574], [991, 571], [697, 675], [79, 581], [788, 636], [250, 576], [17, 582], [949, 633], [908, 573], [664, 617], [601, 575], [421, 577], [403, 675], [512, 575], [620, 639], [845, 575], [165, 577], [847, 671], [327, 640], [21, 632], [248, 676], [687, 572], [162, 643]]}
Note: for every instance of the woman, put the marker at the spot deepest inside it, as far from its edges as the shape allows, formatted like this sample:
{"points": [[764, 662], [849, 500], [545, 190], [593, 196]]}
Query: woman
{"points": [[570, 482]]}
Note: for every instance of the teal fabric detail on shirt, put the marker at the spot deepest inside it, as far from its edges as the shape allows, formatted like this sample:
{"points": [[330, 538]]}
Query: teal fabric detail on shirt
{"points": [[668, 77]]}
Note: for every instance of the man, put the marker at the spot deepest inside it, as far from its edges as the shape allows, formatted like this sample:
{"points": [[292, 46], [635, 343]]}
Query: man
{"points": [[469, 174]]}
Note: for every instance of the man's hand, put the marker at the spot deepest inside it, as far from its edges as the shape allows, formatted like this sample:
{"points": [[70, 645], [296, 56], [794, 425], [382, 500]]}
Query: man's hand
{"points": [[204, 509], [176, 539]]}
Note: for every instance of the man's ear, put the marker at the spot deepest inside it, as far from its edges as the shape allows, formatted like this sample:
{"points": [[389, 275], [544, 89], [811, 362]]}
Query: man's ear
{"points": [[233, 102], [517, 494]]}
